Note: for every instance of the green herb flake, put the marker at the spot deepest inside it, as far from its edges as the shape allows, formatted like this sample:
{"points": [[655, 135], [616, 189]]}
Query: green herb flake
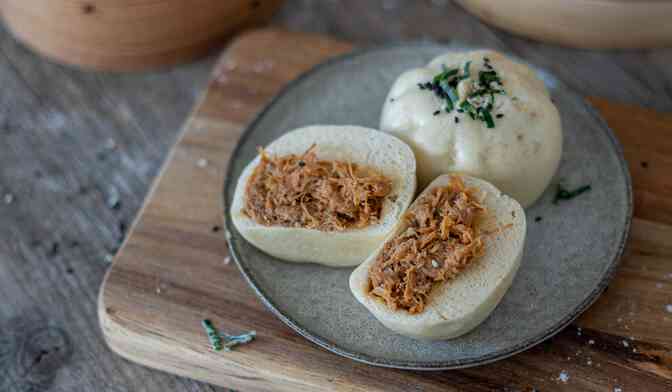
{"points": [[564, 194], [235, 340], [469, 108], [466, 73], [452, 94], [487, 77], [487, 117], [213, 336], [230, 341], [446, 74]]}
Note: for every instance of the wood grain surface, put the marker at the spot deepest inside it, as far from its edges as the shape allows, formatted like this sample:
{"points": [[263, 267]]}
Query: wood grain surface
{"points": [[174, 269], [78, 152]]}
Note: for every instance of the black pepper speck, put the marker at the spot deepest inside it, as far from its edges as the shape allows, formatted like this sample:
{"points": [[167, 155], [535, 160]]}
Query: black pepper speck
{"points": [[122, 230], [55, 249]]}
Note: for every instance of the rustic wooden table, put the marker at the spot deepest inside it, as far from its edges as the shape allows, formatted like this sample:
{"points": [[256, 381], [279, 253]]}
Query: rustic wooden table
{"points": [[78, 151]]}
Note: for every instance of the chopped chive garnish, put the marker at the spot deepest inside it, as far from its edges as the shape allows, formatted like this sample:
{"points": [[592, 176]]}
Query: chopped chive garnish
{"points": [[485, 113], [469, 108], [231, 340], [445, 86], [479, 103], [466, 74], [452, 94], [213, 336], [446, 74], [487, 77], [235, 340], [565, 194]]}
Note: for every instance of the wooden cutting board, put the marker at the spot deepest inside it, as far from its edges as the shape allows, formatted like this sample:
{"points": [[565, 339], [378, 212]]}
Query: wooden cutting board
{"points": [[174, 270]]}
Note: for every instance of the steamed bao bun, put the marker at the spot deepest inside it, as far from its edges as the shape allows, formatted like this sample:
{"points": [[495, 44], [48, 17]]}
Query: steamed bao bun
{"points": [[520, 155], [457, 306], [363, 146]]}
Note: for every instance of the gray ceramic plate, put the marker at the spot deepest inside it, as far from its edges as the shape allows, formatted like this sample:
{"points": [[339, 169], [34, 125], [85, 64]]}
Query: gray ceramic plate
{"points": [[570, 254]]}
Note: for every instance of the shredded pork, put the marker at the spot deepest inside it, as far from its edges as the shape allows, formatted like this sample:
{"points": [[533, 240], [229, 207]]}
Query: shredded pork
{"points": [[303, 191], [440, 241]]}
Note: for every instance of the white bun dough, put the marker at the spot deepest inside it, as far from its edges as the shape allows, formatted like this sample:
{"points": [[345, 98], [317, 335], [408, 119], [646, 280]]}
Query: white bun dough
{"points": [[363, 146], [520, 155], [457, 306]]}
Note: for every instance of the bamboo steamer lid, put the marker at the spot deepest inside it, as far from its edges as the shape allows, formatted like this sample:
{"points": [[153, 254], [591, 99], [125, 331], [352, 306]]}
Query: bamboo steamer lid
{"points": [[582, 23], [124, 35]]}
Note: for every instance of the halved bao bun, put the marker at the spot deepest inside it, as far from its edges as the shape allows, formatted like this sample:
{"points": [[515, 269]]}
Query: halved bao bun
{"points": [[457, 306], [363, 146]]}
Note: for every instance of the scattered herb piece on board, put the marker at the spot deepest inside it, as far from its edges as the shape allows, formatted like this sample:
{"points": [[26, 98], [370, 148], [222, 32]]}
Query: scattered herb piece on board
{"points": [[234, 340], [478, 103], [230, 341], [213, 336], [565, 194]]}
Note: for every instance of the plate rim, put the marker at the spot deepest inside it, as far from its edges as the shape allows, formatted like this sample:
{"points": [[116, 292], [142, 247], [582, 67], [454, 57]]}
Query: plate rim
{"points": [[415, 365]]}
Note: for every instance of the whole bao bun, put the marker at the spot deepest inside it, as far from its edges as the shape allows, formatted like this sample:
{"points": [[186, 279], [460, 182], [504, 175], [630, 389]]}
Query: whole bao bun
{"points": [[457, 306], [519, 156], [363, 146]]}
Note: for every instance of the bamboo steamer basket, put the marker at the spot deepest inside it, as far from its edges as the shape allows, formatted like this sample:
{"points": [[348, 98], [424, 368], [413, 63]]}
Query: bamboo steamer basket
{"points": [[582, 23], [125, 35]]}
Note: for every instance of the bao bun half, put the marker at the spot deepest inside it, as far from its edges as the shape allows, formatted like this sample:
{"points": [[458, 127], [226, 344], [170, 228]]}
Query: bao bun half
{"points": [[363, 146], [457, 306]]}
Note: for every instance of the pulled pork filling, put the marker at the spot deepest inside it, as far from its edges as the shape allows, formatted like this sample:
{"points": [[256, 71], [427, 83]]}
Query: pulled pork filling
{"points": [[439, 242], [303, 191]]}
